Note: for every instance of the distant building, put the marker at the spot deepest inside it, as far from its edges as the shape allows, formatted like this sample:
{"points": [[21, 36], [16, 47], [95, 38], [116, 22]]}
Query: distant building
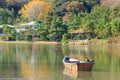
{"points": [[7, 25], [29, 24], [22, 27], [32, 25]]}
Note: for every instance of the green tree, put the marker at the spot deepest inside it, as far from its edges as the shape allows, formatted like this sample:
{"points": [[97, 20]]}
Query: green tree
{"points": [[76, 21], [115, 26], [28, 38], [65, 37], [57, 29], [43, 27], [20, 35], [6, 16], [43, 32], [10, 31], [100, 20], [114, 21]]}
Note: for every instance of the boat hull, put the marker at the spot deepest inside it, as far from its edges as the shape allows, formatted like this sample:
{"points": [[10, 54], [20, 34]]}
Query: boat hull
{"points": [[84, 66], [78, 65], [71, 66]]}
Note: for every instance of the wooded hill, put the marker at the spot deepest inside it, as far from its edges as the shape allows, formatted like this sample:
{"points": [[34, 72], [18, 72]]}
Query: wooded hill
{"points": [[55, 19]]}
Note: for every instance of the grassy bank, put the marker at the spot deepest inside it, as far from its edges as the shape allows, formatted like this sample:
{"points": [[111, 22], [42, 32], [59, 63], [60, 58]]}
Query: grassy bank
{"points": [[94, 41], [78, 42], [110, 40], [12, 42], [27, 42], [75, 42]]}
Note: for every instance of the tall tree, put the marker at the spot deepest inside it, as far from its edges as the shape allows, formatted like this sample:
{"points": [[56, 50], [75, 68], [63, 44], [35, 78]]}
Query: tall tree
{"points": [[6, 16], [115, 26], [100, 21], [15, 4], [57, 29], [43, 28], [35, 9]]}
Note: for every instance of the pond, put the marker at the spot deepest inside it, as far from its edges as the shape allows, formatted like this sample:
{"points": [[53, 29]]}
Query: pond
{"points": [[44, 61]]}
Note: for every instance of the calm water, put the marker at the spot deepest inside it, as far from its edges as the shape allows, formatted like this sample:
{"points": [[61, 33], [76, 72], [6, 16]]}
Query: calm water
{"points": [[44, 62]]}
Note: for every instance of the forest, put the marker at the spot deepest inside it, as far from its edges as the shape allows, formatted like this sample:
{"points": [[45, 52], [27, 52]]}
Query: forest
{"points": [[56, 19]]}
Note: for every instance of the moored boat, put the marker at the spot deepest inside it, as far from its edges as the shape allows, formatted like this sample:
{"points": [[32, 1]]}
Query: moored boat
{"points": [[74, 64]]}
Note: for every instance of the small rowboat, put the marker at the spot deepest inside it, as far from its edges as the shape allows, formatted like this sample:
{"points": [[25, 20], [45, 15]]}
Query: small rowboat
{"points": [[74, 64]]}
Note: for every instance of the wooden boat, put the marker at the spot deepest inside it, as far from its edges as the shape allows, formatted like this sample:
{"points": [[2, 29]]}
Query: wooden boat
{"points": [[74, 64]]}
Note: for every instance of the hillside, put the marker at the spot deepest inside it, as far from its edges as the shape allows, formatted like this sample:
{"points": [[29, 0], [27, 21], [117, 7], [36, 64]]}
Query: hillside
{"points": [[55, 19], [110, 3]]}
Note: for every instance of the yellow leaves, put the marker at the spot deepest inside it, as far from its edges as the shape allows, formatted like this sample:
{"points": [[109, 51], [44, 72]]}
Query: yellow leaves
{"points": [[35, 9]]}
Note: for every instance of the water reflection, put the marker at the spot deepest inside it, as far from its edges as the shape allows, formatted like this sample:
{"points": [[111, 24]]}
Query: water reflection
{"points": [[71, 73], [44, 62], [36, 72], [32, 61], [84, 75], [81, 52]]}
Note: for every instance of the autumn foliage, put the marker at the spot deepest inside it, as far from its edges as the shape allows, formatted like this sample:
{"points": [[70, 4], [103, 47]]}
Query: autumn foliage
{"points": [[35, 9], [76, 6]]}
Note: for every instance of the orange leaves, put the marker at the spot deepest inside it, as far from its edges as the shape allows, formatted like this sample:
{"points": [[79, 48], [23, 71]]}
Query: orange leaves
{"points": [[35, 9]]}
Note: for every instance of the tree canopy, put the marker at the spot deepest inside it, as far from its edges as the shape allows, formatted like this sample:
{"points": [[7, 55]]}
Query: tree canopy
{"points": [[35, 9], [56, 18], [6, 16]]}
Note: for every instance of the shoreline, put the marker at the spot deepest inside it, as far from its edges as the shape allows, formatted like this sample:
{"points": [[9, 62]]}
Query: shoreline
{"points": [[75, 42], [28, 42]]}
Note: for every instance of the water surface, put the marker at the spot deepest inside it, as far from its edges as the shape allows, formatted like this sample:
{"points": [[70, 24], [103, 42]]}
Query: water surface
{"points": [[44, 62]]}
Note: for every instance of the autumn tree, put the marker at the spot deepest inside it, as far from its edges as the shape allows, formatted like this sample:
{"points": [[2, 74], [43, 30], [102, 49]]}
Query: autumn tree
{"points": [[76, 6], [15, 5], [35, 9]]}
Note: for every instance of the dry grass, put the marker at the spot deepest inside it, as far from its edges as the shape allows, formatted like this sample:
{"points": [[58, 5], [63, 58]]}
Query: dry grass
{"points": [[110, 40], [78, 42], [91, 42], [115, 39], [27, 42], [46, 42], [11, 42], [98, 41]]}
